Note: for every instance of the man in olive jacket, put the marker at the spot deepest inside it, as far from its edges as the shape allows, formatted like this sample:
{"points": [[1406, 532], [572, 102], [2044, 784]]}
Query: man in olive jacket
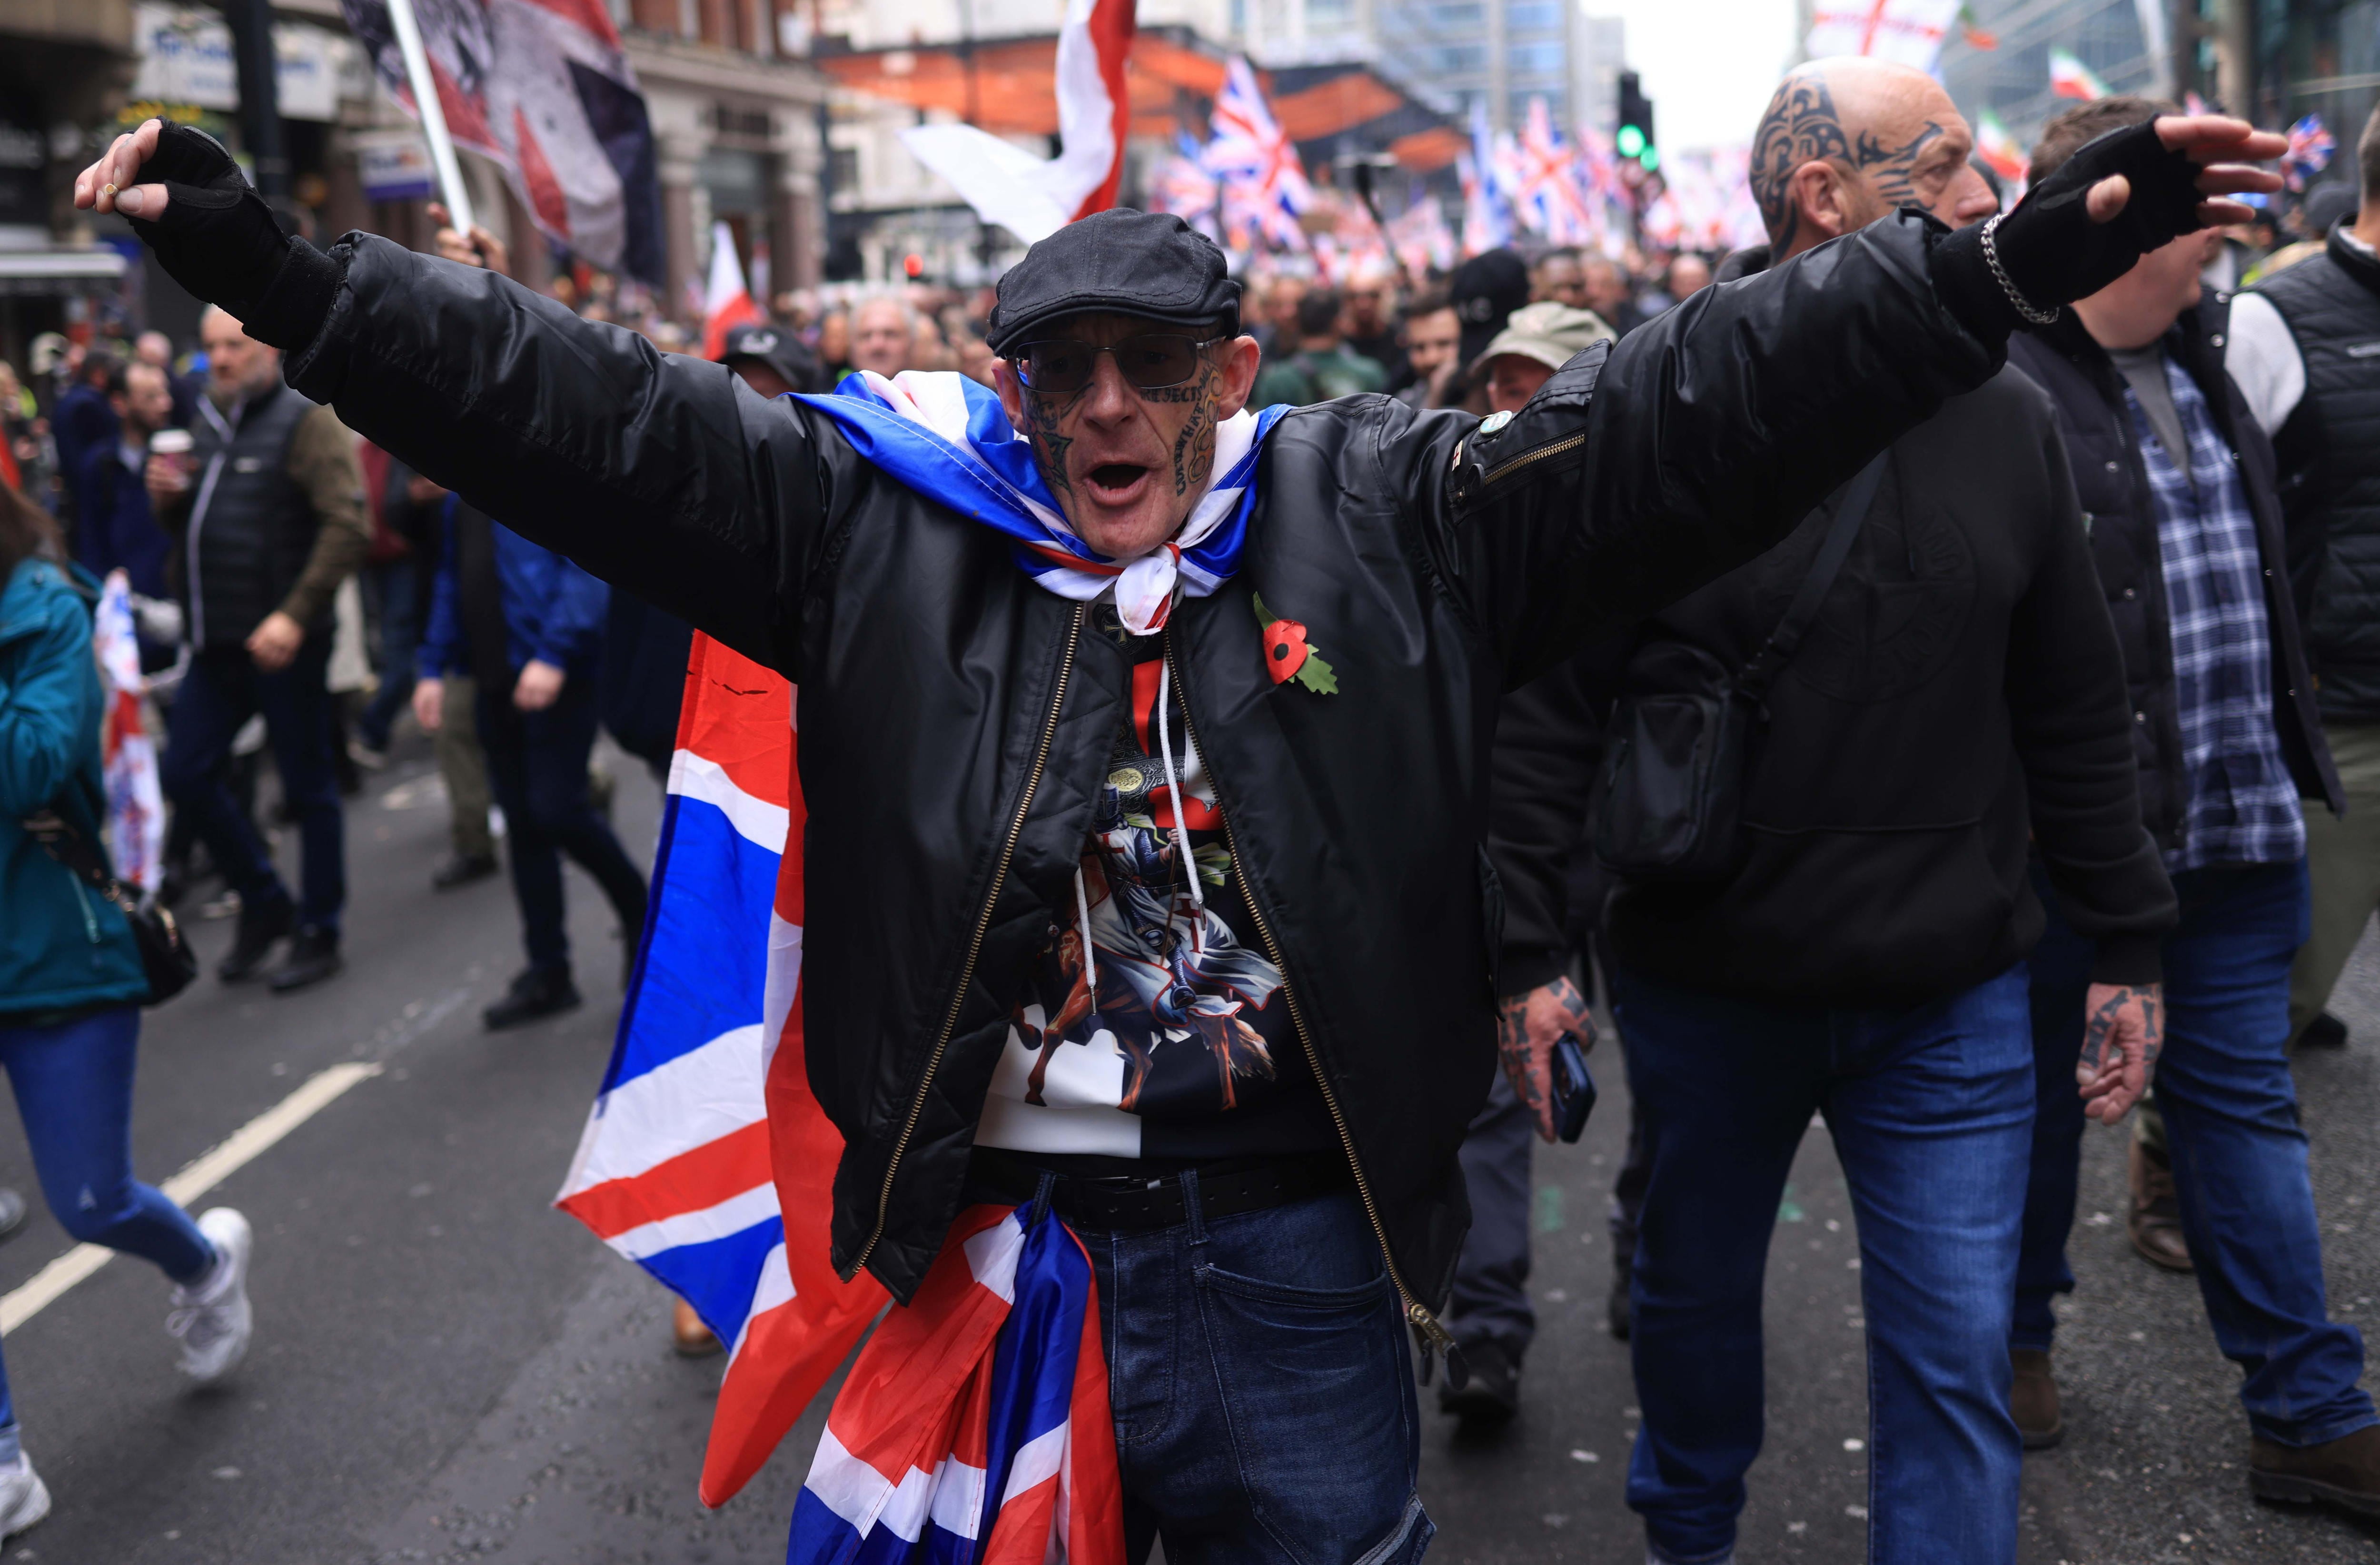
{"points": [[1145, 748]]}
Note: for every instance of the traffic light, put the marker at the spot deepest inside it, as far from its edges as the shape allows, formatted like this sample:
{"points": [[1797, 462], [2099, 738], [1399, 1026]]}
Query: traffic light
{"points": [[1636, 138]]}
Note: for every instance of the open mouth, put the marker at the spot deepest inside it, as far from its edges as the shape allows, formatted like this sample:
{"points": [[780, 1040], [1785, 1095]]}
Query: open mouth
{"points": [[1116, 481]]}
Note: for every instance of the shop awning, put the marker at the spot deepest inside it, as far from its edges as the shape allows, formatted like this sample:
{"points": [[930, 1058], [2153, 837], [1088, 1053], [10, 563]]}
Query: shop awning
{"points": [[61, 270], [1008, 86]]}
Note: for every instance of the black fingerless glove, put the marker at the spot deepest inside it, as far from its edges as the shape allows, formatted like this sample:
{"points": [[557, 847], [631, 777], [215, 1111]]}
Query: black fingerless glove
{"points": [[221, 241], [2051, 250]]}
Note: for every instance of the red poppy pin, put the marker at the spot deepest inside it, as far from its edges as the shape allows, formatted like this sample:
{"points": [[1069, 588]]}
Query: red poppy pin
{"points": [[1288, 655]]}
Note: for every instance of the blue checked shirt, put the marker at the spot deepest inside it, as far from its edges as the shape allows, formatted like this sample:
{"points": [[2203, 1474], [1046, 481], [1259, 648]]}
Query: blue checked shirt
{"points": [[2242, 806]]}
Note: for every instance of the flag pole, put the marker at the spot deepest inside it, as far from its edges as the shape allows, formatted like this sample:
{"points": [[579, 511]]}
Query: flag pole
{"points": [[432, 113]]}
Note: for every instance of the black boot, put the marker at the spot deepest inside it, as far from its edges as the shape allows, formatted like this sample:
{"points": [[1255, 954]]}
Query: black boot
{"points": [[457, 869], [538, 992], [313, 956], [260, 927], [1492, 1395]]}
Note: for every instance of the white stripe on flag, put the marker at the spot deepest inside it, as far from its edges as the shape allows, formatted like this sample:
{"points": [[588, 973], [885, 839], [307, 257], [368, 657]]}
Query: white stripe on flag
{"points": [[733, 1215], [951, 1497], [1037, 1461], [775, 1289], [777, 987], [992, 1255], [671, 1110], [757, 819]]}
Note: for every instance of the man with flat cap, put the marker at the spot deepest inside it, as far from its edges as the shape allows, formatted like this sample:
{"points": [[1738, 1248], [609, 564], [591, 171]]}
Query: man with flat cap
{"points": [[1144, 737]]}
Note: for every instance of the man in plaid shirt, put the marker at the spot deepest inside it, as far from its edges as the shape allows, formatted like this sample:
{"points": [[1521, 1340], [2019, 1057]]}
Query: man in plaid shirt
{"points": [[2177, 484]]}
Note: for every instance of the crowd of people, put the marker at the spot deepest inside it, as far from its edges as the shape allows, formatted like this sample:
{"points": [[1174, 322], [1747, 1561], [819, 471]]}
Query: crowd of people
{"points": [[1960, 748]]}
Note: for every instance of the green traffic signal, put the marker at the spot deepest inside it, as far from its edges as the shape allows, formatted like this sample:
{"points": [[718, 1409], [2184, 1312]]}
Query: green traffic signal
{"points": [[1651, 158], [1631, 141]]}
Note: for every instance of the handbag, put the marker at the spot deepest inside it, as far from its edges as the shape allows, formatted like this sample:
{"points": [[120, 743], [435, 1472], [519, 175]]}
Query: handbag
{"points": [[1668, 800], [165, 956]]}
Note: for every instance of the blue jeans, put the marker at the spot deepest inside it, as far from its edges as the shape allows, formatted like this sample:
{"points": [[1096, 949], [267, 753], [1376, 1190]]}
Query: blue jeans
{"points": [[73, 1082], [2238, 1156], [223, 690], [1931, 1109], [1262, 1389], [393, 586], [537, 766]]}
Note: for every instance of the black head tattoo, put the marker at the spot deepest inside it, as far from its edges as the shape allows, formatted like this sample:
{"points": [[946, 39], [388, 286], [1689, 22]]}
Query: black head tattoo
{"points": [[1801, 126], [1042, 412]]}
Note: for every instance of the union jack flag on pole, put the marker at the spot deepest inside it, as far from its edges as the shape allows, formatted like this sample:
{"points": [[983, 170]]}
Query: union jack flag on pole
{"points": [[1256, 161]]}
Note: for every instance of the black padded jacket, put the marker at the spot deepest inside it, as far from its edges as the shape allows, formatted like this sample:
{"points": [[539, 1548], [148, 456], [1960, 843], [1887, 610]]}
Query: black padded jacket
{"points": [[952, 745]]}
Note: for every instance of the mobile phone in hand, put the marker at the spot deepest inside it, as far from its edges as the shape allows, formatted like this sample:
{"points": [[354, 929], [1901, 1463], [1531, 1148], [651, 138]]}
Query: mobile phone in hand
{"points": [[1573, 1087]]}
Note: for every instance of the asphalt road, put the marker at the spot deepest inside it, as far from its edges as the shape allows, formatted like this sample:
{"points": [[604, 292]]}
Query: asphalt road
{"points": [[446, 1369]]}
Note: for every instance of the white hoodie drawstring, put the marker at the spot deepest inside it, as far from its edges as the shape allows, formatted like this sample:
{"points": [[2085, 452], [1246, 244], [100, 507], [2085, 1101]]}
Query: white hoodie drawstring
{"points": [[1173, 787], [1090, 963]]}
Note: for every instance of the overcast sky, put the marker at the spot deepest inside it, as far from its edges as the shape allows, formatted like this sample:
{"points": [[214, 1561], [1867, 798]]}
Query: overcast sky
{"points": [[1708, 66]]}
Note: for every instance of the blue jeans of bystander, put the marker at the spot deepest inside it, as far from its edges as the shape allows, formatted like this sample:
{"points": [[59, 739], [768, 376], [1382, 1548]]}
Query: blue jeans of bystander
{"points": [[2238, 1156], [1931, 1109]]}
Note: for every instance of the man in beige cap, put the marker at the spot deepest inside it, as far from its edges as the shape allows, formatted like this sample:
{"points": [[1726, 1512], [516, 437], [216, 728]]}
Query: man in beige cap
{"points": [[1536, 341]]}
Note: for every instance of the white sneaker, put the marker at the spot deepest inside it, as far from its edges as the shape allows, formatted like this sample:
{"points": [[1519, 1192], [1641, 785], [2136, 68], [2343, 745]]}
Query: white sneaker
{"points": [[24, 1499], [211, 1317]]}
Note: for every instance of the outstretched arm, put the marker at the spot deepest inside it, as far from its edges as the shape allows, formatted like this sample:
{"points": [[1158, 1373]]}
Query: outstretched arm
{"points": [[654, 469], [1642, 470]]}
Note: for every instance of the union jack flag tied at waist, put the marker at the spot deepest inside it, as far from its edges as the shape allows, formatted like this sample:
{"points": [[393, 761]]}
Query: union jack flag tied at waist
{"points": [[975, 1426]]}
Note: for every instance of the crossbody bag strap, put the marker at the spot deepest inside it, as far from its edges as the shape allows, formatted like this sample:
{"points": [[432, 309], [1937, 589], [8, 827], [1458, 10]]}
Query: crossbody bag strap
{"points": [[71, 849], [1779, 649]]}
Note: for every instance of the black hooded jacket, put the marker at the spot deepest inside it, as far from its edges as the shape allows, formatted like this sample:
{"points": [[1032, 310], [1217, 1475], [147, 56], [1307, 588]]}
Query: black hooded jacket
{"points": [[1958, 700], [952, 744]]}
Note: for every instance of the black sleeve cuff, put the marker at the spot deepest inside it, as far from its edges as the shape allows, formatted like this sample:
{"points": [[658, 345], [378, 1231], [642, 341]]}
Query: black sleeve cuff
{"points": [[2134, 961], [1525, 967], [1964, 280], [290, 312]]}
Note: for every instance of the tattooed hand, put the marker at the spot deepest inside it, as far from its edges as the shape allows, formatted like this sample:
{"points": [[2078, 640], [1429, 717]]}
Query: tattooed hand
{"points": [[2124, 1032], [1527, 1026]]}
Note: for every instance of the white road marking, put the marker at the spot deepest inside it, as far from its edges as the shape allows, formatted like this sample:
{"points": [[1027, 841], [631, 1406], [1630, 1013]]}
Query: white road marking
{"points": [[209, 1170]]}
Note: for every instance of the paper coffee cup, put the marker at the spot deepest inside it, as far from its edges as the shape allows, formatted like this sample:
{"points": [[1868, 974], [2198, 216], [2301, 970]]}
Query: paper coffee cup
{"points": [[174, 446]]}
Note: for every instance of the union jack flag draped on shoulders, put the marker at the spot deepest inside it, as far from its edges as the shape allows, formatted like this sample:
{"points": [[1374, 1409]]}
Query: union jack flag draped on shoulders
{"points": [[709, 1162], [1256, 161]]}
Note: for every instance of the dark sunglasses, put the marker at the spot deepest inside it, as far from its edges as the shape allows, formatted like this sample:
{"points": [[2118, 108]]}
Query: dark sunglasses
{"points": [[1061, 366]]}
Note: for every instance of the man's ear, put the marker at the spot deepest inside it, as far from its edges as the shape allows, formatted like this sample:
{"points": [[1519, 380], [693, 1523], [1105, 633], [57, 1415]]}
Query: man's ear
{"points": [[1012, 395], [1239, 362], [1818, 194]]}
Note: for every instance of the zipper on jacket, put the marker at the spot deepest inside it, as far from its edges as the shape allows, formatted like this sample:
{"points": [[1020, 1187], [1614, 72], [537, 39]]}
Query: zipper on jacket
{"points": [[1417, 1316], [974, 942], [1551, 448]]}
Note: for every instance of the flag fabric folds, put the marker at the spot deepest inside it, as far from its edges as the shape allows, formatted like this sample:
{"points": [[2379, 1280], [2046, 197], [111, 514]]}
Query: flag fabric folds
{"points": [[946, 436], [1031, 196], [543, 88], [974, 1425], [1263, 178], [2070, 78], [709, 1162], [1907, 32], [136, 809], [726, 302]]}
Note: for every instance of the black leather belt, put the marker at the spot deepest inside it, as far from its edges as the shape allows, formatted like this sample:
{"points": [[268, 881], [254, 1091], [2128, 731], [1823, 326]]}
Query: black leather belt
{"points": [[1137, 1204]]}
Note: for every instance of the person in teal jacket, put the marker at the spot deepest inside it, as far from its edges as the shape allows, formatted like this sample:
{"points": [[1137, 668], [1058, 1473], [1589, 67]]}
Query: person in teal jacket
{"points": [[71, 985]]}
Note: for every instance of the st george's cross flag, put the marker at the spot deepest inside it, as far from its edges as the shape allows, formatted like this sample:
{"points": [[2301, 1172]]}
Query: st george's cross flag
{"points": [[707, 1161]]}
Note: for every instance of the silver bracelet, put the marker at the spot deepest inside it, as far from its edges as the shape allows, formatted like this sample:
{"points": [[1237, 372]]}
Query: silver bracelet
{"points": [[2000, 272]]}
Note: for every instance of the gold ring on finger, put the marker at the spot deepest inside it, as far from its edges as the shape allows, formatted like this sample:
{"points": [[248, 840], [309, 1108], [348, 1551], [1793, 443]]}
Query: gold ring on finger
{"points": [[108, 188]]}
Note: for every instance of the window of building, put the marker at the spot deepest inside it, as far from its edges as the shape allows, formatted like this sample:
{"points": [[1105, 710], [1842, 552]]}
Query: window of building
{"points": [[1542, 58], [1533, 16], [1462, 59], [1328, 16], [843, 168], [1457, 15]]}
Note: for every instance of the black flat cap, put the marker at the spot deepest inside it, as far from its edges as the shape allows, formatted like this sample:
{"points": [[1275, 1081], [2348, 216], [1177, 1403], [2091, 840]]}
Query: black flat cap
{"points": [[780, 350], [1147, 263]]}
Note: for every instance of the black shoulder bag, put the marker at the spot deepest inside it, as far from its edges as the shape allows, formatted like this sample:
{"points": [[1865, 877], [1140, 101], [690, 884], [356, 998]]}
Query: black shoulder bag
{"points": [[1669, 803], [165, 956]]}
